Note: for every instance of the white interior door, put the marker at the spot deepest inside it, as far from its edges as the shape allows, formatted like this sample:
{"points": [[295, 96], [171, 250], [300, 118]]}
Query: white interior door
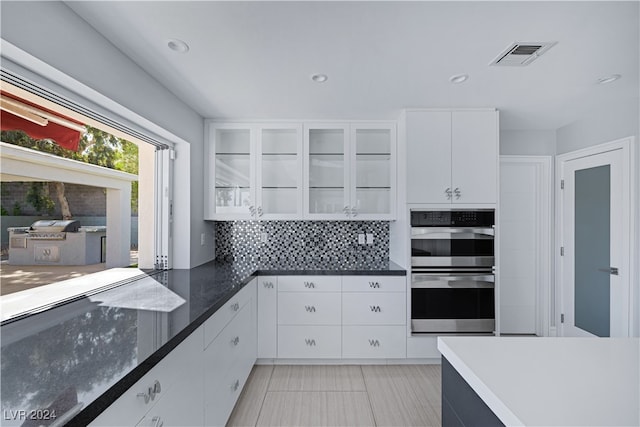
{"points": [[595, 276]]}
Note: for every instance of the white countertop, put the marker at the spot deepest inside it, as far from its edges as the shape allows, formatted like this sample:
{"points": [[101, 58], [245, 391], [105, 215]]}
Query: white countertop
{"points": [[552, 381]]}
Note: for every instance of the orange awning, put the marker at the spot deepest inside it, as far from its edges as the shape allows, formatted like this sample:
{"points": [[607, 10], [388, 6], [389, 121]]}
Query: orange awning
{"points": [[39, 122]]}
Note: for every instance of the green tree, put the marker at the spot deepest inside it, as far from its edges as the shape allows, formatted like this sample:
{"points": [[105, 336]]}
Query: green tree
{"points": [[96, 147], [38, 197]]}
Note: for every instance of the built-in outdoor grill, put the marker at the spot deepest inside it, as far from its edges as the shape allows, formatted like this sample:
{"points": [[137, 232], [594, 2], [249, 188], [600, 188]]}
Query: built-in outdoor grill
{"points": [[46, 229], [56, 242]]}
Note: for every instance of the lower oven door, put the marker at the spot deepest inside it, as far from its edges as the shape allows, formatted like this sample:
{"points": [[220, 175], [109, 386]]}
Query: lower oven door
{"points": [[452, 303]]}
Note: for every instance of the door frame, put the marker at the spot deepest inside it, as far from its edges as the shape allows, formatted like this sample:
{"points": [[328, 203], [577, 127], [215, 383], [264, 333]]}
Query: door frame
{"points": [[628, 213], [544, 220]]}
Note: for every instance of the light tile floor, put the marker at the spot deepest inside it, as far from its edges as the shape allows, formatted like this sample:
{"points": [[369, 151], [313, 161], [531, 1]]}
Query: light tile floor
{"points": [[318, 395]]}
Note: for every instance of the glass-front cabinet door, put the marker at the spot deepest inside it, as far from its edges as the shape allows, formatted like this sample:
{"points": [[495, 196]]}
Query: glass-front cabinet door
{"points": [[373, 172], [279, 173], [326, 170], [231, 180]]}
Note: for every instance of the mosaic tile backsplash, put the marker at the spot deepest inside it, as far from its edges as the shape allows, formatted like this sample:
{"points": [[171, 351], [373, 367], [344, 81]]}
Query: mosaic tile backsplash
{"points": [[300, 243]]}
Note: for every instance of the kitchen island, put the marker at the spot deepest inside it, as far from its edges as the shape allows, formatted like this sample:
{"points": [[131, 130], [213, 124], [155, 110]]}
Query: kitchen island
{"points": [[68, 364], [522, 381]]}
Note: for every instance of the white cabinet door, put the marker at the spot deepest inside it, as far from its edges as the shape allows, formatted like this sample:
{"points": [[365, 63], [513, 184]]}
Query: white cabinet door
{"points": [[428, 156], [474, 157], [374, 342], [326, 168], [165, 379], [279, 171], [374, 284], [267, 317], [452, 157], [373, 171], [181, 405], [368, 308], [230, 186], [309, 342], [227, 363], [216, 323], [309, 284], [308, 308]]}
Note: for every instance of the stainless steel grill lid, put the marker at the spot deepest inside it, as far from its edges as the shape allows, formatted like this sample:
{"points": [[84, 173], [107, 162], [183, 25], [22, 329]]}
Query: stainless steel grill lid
{"points": [[55, 226]]}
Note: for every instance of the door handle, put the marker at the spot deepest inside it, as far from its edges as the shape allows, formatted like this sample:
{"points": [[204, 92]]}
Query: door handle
{"points": [[611, 270]]}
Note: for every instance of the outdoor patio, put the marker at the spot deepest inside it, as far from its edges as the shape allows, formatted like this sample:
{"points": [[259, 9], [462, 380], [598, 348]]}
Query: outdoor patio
{"points": [[15, 278]]}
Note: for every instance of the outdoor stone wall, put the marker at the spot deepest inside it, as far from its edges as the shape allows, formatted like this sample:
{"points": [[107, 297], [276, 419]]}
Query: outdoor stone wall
{"points": [[83, 200]]}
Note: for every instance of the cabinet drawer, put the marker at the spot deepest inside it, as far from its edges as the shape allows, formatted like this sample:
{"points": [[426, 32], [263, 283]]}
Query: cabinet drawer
{"points": [[302, 308], [374, 284], [129, 408], [360, 308], [228, 361], [387, 342], [214, 325], [234, 340], [309, 342], [309, 283]]}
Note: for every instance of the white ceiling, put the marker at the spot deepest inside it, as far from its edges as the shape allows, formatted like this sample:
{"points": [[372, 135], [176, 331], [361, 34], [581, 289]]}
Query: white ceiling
{"points": [[254, 60]]}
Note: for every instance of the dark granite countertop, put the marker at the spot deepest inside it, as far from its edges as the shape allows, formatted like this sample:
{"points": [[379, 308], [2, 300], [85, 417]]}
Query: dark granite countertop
{"points": [[86, 353]]}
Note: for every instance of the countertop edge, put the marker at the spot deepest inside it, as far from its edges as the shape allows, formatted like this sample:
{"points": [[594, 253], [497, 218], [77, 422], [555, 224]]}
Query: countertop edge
{"points": [[494, 403]]}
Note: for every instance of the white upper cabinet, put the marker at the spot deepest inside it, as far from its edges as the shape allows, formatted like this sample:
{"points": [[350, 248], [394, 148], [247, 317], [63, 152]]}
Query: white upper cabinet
{"points": [[350, 171], [452, 156], [326, 166], [230, 188], [474, 156], [428, 156], [277, 171], [373, 171], [254, 171]]}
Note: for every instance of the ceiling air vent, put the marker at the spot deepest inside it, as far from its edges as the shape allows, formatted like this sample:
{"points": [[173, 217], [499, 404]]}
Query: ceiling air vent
{"points": [[521, 53]]}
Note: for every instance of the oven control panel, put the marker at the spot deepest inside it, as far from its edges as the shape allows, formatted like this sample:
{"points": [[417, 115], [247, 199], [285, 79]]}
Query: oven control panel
{"points": [[466, 218]]}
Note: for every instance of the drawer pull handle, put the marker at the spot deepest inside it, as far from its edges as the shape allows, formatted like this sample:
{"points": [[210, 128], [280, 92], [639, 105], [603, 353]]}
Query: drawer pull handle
{"points": [[375, 308], [374, 285], [157, 422], [268, 285], [155, 389], [374, 343], [310, 308], [235, 341], [309, 285], [235, 307], [310, 342], [235, 386], [151, 392]]}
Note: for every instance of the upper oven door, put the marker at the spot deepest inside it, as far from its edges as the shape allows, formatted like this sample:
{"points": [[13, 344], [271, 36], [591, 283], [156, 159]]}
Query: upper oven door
{"points": [[452, 247]]}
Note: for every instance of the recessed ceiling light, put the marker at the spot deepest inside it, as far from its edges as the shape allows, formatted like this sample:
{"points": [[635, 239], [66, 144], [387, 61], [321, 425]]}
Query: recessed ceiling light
{"points": [[319, 78], [459, 78], [178, 46], [609, 79]]}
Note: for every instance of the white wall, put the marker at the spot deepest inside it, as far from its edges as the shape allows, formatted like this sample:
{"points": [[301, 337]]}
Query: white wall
{"points": [[54, 34], [608, 123], [528, 142]]}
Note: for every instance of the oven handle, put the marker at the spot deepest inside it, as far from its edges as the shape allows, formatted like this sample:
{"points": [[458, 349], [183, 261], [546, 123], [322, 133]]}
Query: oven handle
{"points": [[462, 281], [452, 233]]}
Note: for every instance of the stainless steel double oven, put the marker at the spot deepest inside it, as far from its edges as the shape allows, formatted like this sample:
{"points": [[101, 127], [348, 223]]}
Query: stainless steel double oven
{"points": [[452, 271]]}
